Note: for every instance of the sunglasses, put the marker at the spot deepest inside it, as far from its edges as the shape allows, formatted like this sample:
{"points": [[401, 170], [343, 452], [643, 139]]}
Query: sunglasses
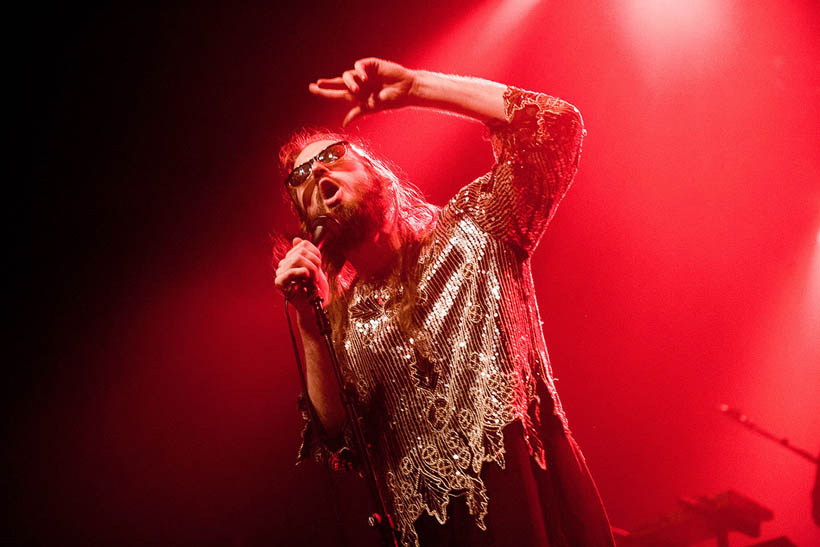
{"points": [[328, 156]]}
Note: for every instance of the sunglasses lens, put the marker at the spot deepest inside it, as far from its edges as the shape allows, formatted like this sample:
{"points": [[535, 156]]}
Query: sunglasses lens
{"points": [[298, 175], [326, 156], [332, 153]]}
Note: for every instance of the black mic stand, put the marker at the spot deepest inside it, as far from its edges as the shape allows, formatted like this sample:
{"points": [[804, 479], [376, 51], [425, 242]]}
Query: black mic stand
{"points": [[381, 521], [736, 414]]}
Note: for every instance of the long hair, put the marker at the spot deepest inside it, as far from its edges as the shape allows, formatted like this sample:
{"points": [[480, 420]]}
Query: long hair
{"points": [[415, 219]]}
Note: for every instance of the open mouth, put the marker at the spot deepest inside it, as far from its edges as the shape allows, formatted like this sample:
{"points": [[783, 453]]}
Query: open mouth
{"points": [[330, 191]]}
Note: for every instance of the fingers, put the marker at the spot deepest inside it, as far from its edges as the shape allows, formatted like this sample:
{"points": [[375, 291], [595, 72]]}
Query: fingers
{"points": [[305, 247], [352, 114], [361, 85], [345, 87], [349, 78], [367, 66], [368, 103], [298, 264], [371, 103], [360, 68], [332, 83], [285, 279], [350, 82], [330, 93], [302, 262]]}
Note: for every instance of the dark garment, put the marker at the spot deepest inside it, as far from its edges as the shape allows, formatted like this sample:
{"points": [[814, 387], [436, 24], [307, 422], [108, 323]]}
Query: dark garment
{"points": [[529, 507]]}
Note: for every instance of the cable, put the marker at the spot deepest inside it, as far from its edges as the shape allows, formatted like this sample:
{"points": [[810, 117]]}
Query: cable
{"points": [[315, 421]]}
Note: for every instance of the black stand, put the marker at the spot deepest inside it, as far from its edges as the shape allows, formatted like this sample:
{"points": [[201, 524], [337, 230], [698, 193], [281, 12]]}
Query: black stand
{"points": [[736, 414], [381, 520]]}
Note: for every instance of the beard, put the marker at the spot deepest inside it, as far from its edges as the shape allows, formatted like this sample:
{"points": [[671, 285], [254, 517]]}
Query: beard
{"points": [[358, 220]]}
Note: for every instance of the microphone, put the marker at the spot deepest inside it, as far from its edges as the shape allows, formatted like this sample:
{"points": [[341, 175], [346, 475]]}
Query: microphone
{"points": [[322, 227]]}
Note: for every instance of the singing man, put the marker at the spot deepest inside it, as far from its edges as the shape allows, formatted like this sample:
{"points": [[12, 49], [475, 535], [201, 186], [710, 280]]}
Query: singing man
{"points": [[435, 319]]}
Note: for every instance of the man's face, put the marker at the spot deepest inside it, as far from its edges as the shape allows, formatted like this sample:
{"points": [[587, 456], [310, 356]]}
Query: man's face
{"points": [[344, 190]]}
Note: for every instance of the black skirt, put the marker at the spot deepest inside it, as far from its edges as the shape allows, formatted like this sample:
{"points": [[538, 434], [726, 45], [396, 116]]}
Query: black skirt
{"points": [[529, 507]]}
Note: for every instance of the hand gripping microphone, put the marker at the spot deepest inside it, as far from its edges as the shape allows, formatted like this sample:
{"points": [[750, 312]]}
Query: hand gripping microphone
{"points": [[322, 227]]}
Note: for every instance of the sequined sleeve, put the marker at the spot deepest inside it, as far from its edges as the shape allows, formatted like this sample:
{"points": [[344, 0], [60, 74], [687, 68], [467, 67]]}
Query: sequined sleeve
{"points": [[537, 149], [316, 445]]}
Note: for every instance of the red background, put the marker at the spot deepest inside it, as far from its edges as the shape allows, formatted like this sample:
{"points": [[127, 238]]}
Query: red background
{"points": [[153, 400]]}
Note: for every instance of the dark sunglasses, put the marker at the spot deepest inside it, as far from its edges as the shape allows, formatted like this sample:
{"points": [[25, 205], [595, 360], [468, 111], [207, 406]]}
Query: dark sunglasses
{"points": [[328, 156]]}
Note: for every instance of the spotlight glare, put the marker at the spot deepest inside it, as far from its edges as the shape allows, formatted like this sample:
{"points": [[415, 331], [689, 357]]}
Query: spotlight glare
{"points": [[669, 34]]}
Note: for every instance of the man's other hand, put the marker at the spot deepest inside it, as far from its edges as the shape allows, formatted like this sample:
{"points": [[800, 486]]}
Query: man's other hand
{"points": [[371, 85]]}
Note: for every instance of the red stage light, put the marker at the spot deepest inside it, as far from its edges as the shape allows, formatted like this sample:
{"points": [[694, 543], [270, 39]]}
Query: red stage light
{"points": [[671, 37]]}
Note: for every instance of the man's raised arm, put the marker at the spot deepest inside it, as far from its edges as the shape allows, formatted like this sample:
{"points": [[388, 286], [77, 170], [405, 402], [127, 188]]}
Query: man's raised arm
{"points": [[536, 139], [375, 84]]}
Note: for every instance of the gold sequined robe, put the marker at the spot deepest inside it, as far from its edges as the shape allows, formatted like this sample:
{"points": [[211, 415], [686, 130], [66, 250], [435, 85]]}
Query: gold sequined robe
{"points": [[436, 399]]}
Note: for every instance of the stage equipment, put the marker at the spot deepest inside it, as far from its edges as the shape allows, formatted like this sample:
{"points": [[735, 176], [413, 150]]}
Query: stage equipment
{"points": [[701, 519]]}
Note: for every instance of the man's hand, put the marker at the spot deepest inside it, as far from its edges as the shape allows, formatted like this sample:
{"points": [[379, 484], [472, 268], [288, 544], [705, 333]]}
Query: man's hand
{"points": [[302, 261], [372, 85]]}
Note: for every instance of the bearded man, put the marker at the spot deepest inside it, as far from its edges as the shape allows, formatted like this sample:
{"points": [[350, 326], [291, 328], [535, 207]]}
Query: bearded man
{"points": [[435, 318]]}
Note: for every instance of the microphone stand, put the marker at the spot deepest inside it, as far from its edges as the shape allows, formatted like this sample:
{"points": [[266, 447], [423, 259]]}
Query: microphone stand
{"points": [[736, 414], [381, 521]]}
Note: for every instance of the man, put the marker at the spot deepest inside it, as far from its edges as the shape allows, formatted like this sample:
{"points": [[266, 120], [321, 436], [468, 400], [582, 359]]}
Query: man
{"points": [[435, 318]]}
